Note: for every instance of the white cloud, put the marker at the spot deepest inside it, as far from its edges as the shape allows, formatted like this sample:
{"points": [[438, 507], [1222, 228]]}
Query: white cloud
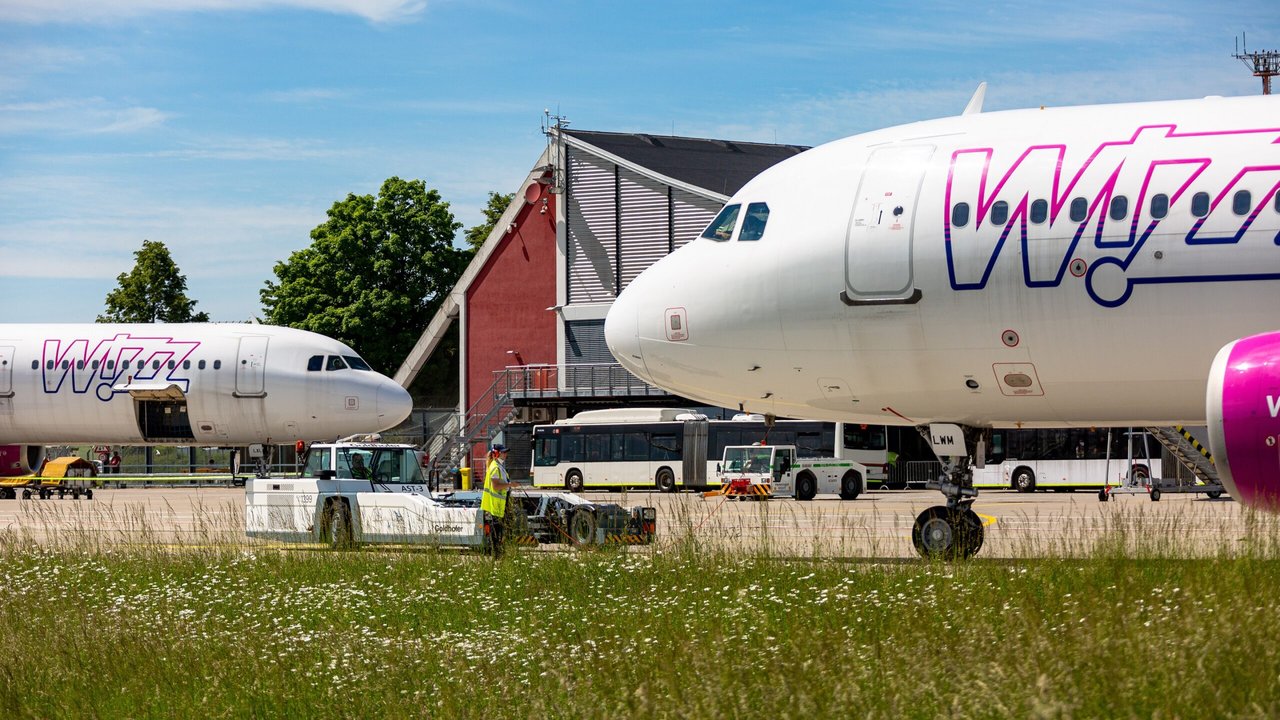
{"points": [[76, 117], [96, 11]]}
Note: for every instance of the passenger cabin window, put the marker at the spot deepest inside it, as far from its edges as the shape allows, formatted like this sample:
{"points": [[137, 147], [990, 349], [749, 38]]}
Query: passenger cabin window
{"points": [[1242, 203], [315, 363], [217, 364], [336, 363], [48, 364], [960, 214], [1000, 213], [200, 365], [753, 224], [355, 363], [1039, 211], [35, 364], [1079, 209], [721, 228], [1159, 206], [1200, 204], [1277, 201], [1119, 207]]}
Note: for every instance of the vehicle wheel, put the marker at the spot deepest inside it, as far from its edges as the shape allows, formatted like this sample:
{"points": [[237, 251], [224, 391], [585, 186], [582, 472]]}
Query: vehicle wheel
{"points": [[573, 481], [1024, 480], [973, 533], [665, 480], [582, 527], [1214, 494], [88, 494], [1103, 495], [340, 534], [75, 494], [26, 494], [806, 486], [45, 493], [941, 533], [8, 493], [850, 485], [62, 493], [1155, 494]]}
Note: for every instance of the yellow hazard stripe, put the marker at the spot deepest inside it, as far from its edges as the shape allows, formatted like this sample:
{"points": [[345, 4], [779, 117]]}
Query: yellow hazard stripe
{"points": [[1194, 443], [628, 538]]}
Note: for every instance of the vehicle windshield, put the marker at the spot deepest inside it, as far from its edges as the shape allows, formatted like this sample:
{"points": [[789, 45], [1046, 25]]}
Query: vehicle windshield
{"points": [[721, 228], [748, 459]]}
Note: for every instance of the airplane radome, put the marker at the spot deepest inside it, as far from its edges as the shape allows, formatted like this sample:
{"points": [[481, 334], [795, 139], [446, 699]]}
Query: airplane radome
{"points": [[181, 384], [1048, 267]]}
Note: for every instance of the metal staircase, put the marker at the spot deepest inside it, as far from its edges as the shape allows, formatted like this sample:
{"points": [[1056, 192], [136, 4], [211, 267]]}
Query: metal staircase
{"points": [[482, 421], [1192, 455]]}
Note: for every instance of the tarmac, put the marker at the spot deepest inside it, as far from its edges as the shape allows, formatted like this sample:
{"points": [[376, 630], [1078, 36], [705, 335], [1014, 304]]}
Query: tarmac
{"points": [[876, 525]]}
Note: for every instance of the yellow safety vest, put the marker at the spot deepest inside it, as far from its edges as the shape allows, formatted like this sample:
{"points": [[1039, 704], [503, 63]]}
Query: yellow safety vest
{"points": [[494, 502]]}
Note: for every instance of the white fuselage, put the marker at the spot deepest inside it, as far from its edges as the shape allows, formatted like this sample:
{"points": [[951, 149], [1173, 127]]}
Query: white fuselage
{"points": [[1070, 294], [208, 384]]}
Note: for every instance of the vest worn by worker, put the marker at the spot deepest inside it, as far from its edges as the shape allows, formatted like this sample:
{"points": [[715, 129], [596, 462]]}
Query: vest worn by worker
{"points": [[494, 502]]}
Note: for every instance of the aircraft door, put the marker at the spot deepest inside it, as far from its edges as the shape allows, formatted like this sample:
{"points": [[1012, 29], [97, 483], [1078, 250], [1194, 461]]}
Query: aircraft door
{"points": [[250, 366], [878, 252], [6, 371]]}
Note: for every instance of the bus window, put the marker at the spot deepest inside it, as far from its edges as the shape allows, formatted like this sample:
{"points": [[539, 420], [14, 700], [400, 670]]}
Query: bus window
{"points": [[864, 437], [546, 451], [665, 447], [596, 446], [635, 446], [571, 449]]}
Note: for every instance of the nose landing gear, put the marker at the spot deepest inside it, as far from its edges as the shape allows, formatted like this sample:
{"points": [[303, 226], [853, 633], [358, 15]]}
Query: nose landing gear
{"points": [[952, 531]]}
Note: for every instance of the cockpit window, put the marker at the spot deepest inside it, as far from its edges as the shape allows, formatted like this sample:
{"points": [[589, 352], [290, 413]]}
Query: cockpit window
{"points": [[355, 363], [316, 363], [721, 228], [336, 363], [753, 224]]}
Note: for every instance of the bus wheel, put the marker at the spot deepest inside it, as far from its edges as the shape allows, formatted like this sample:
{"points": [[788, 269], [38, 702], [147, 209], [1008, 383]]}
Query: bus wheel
{"points": [[1024, 480], [806, 486], [573, 481], [1155, 494], [666, 480], [1214, 494], [850, 485]]}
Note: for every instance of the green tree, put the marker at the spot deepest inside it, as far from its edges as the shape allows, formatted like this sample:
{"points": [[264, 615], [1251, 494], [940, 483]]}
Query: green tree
{"points": [[492, 214], [154, 291], [374, 273]]}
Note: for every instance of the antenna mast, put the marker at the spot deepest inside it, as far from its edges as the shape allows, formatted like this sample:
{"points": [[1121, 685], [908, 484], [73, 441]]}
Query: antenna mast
{"points": [[1264, 63]]}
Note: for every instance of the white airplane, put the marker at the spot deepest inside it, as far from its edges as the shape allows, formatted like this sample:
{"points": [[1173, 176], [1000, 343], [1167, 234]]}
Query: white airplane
{"points": [[182, 384], [1110, 265]]}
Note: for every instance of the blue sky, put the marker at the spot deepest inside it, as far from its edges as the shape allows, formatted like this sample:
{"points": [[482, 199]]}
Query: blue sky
{"points": [[226, 128]]}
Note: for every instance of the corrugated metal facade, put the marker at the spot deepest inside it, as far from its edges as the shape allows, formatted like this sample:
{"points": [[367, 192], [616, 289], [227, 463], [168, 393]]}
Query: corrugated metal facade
{"points": [[619, 223]]}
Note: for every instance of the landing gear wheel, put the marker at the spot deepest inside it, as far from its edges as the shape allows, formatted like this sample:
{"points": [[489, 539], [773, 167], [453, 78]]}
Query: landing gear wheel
{"points": [[1155, 494], [666, 481], [573, 481], [806, 486], [944, 533], [582, 527], [1214, 494], [850, 485]]}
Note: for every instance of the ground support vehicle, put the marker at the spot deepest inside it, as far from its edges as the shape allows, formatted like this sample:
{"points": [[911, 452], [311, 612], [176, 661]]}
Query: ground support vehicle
{"points": [[62, 476], [548, 518], [777, 468], [352, 493]]}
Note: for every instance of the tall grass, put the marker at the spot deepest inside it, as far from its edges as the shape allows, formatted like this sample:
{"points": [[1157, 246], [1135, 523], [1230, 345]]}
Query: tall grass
{"points": [[713, 622]]}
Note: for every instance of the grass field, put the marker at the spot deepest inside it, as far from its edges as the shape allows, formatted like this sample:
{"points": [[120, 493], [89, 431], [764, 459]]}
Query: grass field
{"points": [[149, 630]]}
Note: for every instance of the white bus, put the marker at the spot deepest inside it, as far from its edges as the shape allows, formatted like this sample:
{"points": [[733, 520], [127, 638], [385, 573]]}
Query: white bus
{"points": [[669, 449], [1068, 458]]}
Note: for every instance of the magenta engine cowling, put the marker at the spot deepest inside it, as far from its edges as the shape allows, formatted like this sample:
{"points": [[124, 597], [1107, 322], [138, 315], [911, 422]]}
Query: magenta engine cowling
{"points": [[20, 459], [1243, 405]]}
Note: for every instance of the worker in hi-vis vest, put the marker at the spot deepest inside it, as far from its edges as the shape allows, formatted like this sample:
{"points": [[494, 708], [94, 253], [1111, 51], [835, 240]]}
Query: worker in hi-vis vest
{"points": [[494, 501]]}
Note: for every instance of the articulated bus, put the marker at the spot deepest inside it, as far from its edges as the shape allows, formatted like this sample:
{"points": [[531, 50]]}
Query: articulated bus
{"points": [[670, 449], [1068, 458]]}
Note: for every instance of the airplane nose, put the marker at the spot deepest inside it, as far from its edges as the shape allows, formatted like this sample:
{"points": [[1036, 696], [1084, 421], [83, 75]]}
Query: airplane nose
{"points": [[394, 403], [622, 332]]}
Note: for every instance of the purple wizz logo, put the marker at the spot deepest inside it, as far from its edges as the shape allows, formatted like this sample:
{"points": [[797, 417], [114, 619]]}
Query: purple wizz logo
{"points": [[1080, 220], [99, 365]]}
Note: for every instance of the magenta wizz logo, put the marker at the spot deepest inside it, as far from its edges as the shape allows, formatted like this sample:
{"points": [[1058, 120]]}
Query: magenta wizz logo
{"points": [[85, 364], [1090, 215]]}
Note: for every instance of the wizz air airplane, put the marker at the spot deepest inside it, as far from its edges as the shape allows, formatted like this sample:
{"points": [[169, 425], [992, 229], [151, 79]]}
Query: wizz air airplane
{"points": [[1109, 265], [182, 384]]}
